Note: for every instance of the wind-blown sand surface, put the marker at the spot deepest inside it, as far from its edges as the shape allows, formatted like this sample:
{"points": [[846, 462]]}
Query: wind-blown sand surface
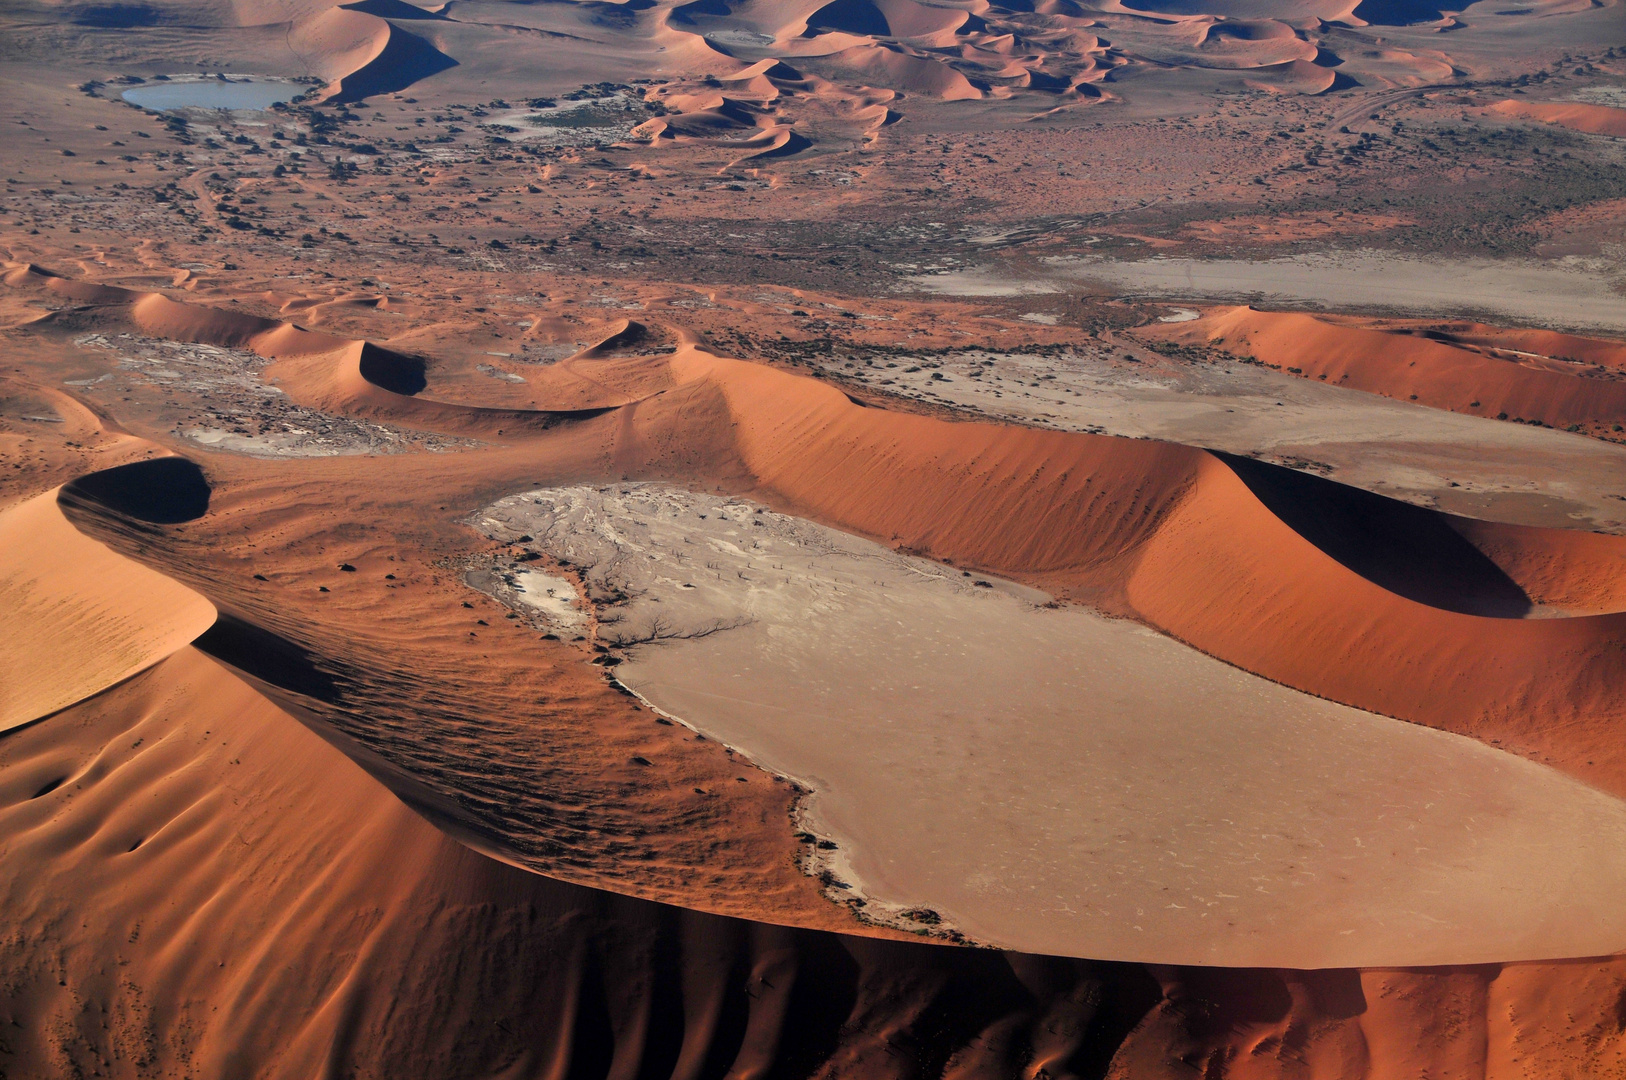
{"points": [[1507, 1011], [246, 901], [1051, 779]]}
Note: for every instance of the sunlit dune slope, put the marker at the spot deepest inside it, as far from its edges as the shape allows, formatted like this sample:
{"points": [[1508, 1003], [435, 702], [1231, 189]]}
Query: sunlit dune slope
{"points": [[1341, 594], [1592, 119], [248, 902], [1479, 371], [1409, 619], [75, 616]]}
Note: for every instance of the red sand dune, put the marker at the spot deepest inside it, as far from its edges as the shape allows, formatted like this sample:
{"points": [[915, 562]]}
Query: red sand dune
{"points": [[313, 368], [1462, 373], [1185, 541], [272, 908], [1592, 119], [246, 900], [1404, 616]]}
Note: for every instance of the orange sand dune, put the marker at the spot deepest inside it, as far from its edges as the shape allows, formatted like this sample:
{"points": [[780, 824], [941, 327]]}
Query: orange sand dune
{"points": [[1210, 551], [364, 380], [77, 617], [271, 910], [1250, 44], [361, 53], [316, 369], [1350, 596], [1540, 343], [903, 71], [1592, 119], [1419, 368], [246, 901], [1292, 77]]}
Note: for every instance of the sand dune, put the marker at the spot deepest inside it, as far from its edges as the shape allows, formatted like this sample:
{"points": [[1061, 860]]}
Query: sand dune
{"points": [[362, 379], [315, 369], [1176, 537], [249, 902], [1168, 533], [1465, 373], [273, 911], [76, 617], [955, 52], [1592, 119], [368, 825]]}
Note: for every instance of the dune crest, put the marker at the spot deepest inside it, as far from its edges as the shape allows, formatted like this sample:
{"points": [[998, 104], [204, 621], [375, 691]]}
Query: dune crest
{"points": [[314, 368]]}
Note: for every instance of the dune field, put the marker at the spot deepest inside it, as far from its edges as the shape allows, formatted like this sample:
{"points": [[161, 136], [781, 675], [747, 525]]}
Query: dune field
{"points": [[763, 540]]}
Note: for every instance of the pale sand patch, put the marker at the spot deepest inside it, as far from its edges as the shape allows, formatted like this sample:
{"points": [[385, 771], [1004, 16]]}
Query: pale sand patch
{"points": [[1570, 294], [552, 596], [1054, 781]]}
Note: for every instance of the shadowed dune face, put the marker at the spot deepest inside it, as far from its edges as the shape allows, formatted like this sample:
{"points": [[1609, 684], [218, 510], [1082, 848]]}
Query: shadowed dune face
{"points": [[1397, 12], [404, 59], [162, 491], [118, 16], [1405, 549], [391, 371]]}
